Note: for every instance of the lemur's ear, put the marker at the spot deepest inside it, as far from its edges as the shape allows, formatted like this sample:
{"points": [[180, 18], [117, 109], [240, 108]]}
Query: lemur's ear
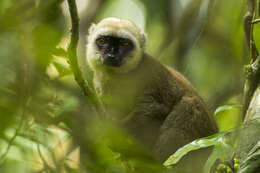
{"points": [[90, 31], [92, 28]]}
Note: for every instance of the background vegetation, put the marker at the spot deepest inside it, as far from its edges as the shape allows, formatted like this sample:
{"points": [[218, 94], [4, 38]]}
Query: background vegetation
{"points": [[44, 116]]}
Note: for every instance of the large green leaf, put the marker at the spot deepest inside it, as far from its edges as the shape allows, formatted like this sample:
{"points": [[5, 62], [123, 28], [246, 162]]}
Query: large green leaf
{"points": [[228, 116], [217, 140]]}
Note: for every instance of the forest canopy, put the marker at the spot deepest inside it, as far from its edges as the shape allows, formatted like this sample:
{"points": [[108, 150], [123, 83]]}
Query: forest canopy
{"points": [[46, 105]]}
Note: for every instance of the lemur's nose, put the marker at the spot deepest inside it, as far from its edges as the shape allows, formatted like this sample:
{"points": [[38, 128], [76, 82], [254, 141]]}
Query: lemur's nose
{"points": [[111, 55]]}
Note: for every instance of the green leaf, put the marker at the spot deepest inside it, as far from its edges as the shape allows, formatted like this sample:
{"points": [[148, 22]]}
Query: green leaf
{"points": [[228, 116], [226, 108], [214, 140], [223, 150]]}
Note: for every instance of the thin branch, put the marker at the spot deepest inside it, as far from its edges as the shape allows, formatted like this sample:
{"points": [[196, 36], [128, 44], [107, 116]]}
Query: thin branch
{"points": [[248, 28], [72, 50], [2, 158], [73, 60], [45, 164], [256, 21]]}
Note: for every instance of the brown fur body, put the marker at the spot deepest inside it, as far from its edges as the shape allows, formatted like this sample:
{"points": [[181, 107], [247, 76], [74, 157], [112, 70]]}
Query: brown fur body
{"points": [[156, 104]]}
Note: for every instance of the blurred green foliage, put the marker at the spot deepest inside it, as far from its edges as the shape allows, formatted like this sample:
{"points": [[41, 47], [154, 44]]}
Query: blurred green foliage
{"points": [[43, 114]]}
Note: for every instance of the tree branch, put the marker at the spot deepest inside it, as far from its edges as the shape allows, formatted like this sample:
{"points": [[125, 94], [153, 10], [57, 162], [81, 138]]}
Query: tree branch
{"points": [[252, 71], [73, 60], [72, 49], [248, 142], [248, 28]]}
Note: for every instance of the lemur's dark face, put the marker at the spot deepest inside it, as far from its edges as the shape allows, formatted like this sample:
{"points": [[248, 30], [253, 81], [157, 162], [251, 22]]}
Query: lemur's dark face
{"points": [[114, 49]]}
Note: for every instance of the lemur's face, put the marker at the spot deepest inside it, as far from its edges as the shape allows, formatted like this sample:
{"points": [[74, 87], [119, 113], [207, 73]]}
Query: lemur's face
{"points": [[115, 45], [114, 49]]}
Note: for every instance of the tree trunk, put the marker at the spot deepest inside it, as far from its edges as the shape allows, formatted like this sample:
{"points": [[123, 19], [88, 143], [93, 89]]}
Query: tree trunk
{"points": [[248, 149]]}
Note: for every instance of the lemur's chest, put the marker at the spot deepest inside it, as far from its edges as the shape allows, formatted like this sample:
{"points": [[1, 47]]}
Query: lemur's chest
{"points": [[118, 94]]}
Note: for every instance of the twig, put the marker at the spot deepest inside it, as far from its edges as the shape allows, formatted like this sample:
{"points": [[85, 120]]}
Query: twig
{"points": [[72, 49], [256, 21], [248, 28], [45, 164], [73, 60], [2, 158], [90, 95]]}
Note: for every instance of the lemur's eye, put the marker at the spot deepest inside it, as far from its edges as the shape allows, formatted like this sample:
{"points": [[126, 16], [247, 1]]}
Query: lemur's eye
{"points": [[126, 45], [101, 41]]}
